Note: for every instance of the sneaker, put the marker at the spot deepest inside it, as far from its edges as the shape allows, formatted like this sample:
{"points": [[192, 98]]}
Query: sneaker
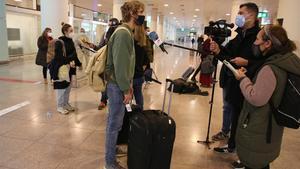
{"points": [[62, 110], [115, 166], [237, 165], [69, 107], [220, 136], [224, 150], [101, 106], [121, 151]]}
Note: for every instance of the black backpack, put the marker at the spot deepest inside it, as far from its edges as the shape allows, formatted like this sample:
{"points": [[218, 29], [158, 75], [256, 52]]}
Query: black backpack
{"points": [[288, 112]]}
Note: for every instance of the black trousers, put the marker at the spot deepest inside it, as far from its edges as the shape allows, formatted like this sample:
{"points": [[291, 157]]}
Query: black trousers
{"points": [[45, 68]]}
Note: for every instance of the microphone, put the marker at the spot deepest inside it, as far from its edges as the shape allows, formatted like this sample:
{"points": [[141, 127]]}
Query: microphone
{"points": [[154, 37]]}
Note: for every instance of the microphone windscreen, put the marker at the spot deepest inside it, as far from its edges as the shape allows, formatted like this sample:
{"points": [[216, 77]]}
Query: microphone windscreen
{"points": [[153, 36]]}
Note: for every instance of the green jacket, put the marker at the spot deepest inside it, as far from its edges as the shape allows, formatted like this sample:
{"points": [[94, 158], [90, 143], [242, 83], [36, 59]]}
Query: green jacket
{"points": [[121, 59], [252, 147]]}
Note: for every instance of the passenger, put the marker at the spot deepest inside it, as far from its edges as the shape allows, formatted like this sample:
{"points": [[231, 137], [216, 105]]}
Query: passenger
{"points": [[266, 88], [41, 57], [83, 54], [150, 53], [238, 52], [113, 24], [71, 53], [200, 41], [120, 70], [141, 62], [207, 65], [59, 69]]}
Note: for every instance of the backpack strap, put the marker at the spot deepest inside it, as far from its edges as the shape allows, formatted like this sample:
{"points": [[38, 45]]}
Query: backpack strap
{"points": [[120, 28]]}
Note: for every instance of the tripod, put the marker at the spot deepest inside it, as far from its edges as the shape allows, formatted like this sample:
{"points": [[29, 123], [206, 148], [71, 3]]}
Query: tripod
{"points": [[207, 142]]}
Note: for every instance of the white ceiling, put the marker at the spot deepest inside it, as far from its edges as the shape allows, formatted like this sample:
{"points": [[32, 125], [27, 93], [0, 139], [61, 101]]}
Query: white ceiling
{"points": [[184, 10]]}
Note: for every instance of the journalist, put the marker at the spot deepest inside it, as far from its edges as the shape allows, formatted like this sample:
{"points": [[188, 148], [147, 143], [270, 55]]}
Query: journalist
{"points": [[239, 52]]}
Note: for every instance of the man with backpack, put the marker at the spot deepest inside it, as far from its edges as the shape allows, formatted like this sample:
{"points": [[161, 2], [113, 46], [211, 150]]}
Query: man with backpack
{"points": [[119, 71]]}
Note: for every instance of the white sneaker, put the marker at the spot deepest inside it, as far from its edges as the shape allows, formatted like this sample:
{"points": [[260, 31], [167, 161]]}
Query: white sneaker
{"points": [[62, 111], [69, 107]]}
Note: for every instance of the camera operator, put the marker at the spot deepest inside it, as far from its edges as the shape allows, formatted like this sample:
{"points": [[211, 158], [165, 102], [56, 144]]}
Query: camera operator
{"points": [[239, 52]]}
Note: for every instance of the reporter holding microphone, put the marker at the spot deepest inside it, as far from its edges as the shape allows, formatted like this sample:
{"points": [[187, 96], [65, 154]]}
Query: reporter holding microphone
{"points": [[258, 144], [239, 53]]}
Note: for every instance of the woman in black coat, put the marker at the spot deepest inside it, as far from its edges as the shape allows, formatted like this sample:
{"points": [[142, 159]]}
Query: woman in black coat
{"points": [[71, 54], [41, 57]]}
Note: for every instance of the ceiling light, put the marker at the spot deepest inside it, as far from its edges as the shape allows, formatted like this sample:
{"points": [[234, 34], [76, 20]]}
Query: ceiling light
{"points": [[228, 14], [83, 14], [171, 13], [18, 0], [195, 16], [194, 20], [197, 9], [166, 5], [99, 5]]}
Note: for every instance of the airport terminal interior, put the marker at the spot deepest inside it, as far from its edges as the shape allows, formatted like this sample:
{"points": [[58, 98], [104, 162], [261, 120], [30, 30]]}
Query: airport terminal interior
{"points": [[34, 135]]}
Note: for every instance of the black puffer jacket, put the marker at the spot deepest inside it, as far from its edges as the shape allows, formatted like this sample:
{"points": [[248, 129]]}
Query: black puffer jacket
{"points": [[240, 46]]}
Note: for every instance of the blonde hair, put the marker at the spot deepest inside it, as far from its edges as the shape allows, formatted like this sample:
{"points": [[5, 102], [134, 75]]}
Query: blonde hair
{"points": [[140, 35]]}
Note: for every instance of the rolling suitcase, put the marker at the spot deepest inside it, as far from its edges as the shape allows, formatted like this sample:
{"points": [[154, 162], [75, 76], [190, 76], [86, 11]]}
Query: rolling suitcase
{"points": [[123, 133], [187, 73], [151, 138]]}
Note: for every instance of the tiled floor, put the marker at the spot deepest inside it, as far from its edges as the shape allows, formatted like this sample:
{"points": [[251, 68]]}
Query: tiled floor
{"points": [[37, 137]]}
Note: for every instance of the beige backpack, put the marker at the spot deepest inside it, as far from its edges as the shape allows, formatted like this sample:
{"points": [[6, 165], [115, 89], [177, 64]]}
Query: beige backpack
{"points": [[96, 67]]}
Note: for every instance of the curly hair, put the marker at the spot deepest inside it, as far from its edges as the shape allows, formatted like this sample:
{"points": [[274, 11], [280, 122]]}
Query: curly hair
{"points": [[131, 8]]}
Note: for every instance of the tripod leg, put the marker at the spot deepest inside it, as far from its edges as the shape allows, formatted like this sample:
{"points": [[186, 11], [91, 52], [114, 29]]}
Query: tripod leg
{"points": [[207, 142]]}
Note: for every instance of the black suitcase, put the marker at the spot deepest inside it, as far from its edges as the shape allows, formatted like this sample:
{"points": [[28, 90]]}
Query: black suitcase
{"points": [[123, 133], [187, 73], [151, 138]]}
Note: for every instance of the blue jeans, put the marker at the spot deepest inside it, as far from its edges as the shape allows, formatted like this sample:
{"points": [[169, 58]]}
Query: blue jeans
{"points": [[137, 91], [116, 111], [62, 96], [227, 113]]}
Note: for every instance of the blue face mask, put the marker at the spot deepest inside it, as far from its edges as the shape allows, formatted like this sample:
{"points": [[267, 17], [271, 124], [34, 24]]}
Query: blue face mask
{"points": [[240, 21]]}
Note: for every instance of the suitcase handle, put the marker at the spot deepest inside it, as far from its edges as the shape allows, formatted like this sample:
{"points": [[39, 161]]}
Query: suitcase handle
{"points": [[165, 94]]}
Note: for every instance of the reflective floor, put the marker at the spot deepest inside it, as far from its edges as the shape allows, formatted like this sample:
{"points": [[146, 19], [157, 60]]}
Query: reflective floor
{"points": [[34, 136]]}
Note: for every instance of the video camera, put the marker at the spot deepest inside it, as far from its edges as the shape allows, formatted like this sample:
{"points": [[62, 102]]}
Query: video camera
{"points": [[218, 30]]}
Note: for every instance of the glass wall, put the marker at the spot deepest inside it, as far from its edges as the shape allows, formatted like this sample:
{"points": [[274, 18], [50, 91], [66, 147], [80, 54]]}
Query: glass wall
{"points": [[22, 39], [94, 23]]}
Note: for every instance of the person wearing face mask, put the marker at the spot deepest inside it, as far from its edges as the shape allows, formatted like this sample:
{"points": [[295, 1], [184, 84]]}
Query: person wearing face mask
{"points": [[239, 52], [262, 92], [120, 67], [150, 53], [68, 34], [41, 57], [113, 24], [71, 55]]}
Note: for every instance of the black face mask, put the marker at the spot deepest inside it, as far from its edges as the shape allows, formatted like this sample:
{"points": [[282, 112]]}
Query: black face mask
{"points": [[140, 20], [257, 53]]}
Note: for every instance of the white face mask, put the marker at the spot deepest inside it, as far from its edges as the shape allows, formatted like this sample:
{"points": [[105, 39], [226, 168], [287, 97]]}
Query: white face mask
{"points": [[71, 35], [49, 34]]}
